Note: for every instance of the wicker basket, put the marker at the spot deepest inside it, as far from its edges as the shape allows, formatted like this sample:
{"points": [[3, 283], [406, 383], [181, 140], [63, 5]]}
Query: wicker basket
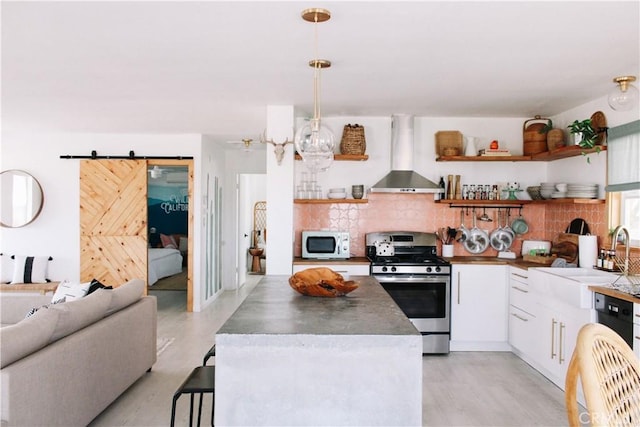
{"points": [[353, 140], [534, 137]]}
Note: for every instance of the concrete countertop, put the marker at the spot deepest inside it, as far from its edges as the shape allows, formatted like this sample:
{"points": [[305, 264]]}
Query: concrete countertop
{"points": [[273, 307], [614, 293]]}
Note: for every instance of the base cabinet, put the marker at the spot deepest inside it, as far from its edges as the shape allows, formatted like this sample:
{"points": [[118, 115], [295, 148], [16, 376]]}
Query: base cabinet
{"points": [[479, 301], [522, 313], [345, 269]]}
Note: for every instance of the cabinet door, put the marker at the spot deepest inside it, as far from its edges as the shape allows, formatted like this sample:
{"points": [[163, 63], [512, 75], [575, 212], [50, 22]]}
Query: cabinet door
{"points": [[479, 303], [345, 269]]}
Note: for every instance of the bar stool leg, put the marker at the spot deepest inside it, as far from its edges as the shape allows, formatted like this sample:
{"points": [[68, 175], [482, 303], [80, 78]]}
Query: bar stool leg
{"points": [[191, 412], [200, 409], [173, 409]]}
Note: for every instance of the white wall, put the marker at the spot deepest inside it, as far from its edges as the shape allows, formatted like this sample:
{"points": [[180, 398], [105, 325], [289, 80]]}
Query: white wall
{"points": [[235, 162], [56, 231]]}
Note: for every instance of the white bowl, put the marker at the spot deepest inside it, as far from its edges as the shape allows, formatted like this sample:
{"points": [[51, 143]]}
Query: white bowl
{"points": [[337, 195], [337, 190]]}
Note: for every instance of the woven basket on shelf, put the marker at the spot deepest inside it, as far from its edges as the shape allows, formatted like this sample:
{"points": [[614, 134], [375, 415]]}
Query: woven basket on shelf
{"points": [[353, 141]]}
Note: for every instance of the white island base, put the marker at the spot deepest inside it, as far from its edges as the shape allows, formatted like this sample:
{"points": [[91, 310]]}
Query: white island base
{"points": [[285, 359]]}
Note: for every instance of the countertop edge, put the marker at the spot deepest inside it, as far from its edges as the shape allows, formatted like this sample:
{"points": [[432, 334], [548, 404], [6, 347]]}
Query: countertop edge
{"points": [[614, 293]]}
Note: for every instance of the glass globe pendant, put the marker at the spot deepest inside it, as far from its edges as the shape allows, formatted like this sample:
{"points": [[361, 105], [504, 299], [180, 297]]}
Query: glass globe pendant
{"points": [[625, 96], [315, 142]]}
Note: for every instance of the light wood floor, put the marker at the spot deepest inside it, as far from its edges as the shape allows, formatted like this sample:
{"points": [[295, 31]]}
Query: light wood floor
{"points": [[459, 389]]}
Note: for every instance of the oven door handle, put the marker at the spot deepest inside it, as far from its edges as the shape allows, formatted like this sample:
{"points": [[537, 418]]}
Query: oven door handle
{"points": [[393, 280]]}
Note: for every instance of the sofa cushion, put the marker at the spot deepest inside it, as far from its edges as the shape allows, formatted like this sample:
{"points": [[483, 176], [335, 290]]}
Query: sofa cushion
{"points": [[95, 285], [25, 337], [125, 295], [70, 291], [34, 310], [75, 315]]}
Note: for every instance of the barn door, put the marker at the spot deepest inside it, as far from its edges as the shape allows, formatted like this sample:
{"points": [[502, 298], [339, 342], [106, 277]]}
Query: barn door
{"points": [[113, 220]]}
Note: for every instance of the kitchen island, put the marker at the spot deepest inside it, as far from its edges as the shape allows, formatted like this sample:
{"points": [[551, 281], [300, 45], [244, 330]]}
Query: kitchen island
{"points": [[287, 359]]}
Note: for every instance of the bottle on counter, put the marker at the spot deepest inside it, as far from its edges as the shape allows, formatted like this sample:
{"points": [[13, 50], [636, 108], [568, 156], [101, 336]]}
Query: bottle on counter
{"points": [[600, 259]]}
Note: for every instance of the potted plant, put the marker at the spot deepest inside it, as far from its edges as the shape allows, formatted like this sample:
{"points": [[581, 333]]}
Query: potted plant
{"points": [[585, 135]]}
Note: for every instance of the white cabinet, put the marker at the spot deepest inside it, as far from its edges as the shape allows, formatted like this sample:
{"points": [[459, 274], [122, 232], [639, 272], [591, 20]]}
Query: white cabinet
{"points": [[346, 269], [479, 303], [636, 329], [557, 322], [522, 313]]}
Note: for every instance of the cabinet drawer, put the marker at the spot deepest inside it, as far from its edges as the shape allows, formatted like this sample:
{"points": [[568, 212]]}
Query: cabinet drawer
{"points": [[520, 297], [521, 330], [345, 269]]}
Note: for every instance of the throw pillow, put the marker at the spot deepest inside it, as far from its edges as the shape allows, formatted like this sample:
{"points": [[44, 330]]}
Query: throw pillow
{"points": [[95, 285], [168, 241], [70, 291], [34, 310], [30, 269]]}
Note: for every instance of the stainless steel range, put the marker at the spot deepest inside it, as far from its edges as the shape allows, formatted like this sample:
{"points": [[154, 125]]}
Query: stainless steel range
{"points": [[406, 264]]}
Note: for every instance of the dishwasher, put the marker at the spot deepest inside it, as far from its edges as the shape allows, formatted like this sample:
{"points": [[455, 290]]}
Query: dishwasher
{"points": [[617, 314]]}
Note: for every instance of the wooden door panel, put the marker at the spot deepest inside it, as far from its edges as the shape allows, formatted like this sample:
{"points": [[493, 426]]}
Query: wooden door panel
{"points": [[113, 220], [113, 260]]}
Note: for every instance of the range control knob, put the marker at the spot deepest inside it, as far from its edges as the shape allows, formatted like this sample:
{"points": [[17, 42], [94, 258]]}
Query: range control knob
{"points": [[428, 269], [384, 269], [438, 269], [393, 269]]}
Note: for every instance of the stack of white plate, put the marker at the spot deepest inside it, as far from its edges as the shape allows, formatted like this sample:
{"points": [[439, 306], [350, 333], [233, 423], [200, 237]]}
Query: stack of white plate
{"points": [[547, 189], [582, 191]]}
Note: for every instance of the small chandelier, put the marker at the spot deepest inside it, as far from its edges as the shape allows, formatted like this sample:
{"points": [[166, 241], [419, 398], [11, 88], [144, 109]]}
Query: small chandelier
{"points": [[625, 96], [313, 141]]}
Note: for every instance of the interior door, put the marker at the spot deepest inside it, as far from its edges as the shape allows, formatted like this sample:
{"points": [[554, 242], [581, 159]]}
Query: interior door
{"points": [[113, 220]]}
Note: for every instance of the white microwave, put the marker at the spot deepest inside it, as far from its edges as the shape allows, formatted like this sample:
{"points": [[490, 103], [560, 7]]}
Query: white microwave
{"points": [[324, 244]]}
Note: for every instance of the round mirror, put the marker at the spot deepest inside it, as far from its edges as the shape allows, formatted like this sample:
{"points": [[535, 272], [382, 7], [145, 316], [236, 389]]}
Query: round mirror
{"points": [[21, 198]]}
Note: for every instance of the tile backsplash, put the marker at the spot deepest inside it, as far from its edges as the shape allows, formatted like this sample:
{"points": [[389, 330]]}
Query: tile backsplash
{"points": [[411, 212]]}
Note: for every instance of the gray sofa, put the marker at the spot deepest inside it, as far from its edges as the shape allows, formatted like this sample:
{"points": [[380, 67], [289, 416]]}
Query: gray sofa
{"points": [[66, 363]]}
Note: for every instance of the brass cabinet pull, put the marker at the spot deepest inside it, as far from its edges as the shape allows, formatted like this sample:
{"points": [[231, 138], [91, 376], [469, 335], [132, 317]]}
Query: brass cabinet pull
{"points": [[520, 289], [519, 275], [458, 288], [553, 338], [519, 317], [560, 344]]}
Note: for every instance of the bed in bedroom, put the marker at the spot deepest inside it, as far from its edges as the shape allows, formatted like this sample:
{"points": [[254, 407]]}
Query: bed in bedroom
{"points": [[163, 262]]}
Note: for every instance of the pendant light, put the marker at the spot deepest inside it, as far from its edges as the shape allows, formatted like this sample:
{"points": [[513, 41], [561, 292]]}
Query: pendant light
{"points": [[625, 96], [314, 141]]}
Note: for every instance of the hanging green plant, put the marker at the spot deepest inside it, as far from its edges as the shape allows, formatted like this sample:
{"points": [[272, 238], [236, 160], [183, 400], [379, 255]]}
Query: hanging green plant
{"points": [[587, 134]]}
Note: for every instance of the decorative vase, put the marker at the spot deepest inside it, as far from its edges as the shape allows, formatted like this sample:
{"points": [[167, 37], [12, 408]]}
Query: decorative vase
{"points": [[470, 149]]}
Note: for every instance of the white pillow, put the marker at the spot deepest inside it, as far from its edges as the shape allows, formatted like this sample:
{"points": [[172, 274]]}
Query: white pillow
{"points": [[29, 269], [70, 291]]}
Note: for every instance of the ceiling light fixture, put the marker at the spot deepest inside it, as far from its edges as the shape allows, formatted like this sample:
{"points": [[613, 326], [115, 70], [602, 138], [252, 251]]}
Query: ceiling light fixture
{"points": [[314, 141], [625, 96]]}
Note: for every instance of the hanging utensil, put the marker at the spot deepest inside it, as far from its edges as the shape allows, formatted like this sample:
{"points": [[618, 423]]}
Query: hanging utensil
{"points": [[478, 239], [484, 216], [463, 230]]}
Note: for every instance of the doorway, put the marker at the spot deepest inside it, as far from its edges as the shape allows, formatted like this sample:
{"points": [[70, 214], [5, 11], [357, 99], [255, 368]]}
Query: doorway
{"points": [[252, 188], [170, 225]]}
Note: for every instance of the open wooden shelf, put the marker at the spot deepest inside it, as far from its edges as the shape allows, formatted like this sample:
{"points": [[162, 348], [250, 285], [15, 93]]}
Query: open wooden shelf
{"points": [[328, 201], [547, 156], [512, 203], [344, 157]]}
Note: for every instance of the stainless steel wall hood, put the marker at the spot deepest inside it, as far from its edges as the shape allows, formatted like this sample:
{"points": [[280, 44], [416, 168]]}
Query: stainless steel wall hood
{"points": [[402, 178]]}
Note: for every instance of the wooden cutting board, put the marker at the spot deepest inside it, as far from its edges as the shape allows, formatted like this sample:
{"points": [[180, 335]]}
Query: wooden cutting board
{"points": [[566, 246]]}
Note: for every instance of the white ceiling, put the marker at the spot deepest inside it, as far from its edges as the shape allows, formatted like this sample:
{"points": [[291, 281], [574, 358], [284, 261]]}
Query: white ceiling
{"points": [[212, 67]]}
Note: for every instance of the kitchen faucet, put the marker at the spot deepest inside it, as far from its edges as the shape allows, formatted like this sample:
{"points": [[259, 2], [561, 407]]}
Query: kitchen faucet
{"points": [[614, 243]]}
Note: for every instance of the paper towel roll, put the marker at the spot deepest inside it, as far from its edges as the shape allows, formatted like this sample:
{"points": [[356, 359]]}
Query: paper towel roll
{"points": [[587, 251]]}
